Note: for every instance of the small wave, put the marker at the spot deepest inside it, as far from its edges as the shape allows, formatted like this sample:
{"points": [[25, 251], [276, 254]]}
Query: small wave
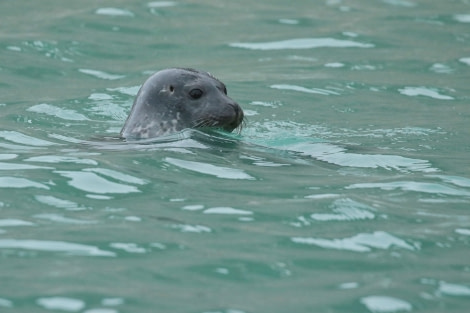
{"points": [[385, 304], [114, 12], [186, 228], [346, 210], [17, 182], [20, 138], [59, 203], [51, 110], [4, 166], [432, 188], [61, 219], [462, 18], [128, 247], [319, 91], [453, 289], [339, 156], [10, 222], [129, 91], [455, 180], [424, 91], [60, 159], [61, 303], [400, 3], [465, 60], [227, 210], [54, 246], [209, 169], [161, 4], [100, 74], [93, 183], [302, 43], [358, 243]]}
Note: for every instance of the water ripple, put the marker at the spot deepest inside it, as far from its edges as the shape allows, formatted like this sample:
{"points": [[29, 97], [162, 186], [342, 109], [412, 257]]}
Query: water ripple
{"points": [[5, 303], [432, 188], [424, 91], [61, 219], [117, 175], [359, 243], [60, 159], [128, 247], [114, 12], [385, 304], [400, 3], [16, 182], [59, 203], [100, 74], [90, 182], [61, 303], [462, 18], [302, 43], [4, 166], [128, 91], [8, 156], [185, 228], [453, 289], [10, 222], [54, 246], [465, 60], [20, 138], [64, 114], [209, 169], [337, 155], [161, 4], [319, 91], [346, 210], [455, 180], [227, 210]]}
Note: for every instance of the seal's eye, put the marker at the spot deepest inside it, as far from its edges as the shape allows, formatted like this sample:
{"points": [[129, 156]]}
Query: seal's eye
{"points": [[172, 88], [196, 93]]}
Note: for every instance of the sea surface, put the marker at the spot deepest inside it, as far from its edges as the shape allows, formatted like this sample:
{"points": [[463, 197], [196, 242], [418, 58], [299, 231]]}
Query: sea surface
{"points": [[347, 190]]}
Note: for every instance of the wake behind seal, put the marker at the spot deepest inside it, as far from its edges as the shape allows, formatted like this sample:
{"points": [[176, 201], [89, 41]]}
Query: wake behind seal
{"points": [[175, 99]]}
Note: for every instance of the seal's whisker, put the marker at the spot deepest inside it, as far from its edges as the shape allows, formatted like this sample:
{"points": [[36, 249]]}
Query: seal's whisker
{"points": [[241, 125], [202, 122]]}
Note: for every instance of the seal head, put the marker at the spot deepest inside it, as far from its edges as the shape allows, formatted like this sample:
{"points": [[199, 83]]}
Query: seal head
{"points": [[174, 99]]}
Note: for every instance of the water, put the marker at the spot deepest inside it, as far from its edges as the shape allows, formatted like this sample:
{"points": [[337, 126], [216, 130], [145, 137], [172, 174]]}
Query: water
{"points": [[348, 189]]}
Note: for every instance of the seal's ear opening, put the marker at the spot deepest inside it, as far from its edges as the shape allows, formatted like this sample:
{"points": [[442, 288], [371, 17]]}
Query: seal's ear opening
{"points": [[172, 88]]}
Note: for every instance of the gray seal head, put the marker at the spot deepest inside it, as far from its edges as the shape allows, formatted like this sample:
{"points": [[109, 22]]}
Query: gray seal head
{"points": [[174, 99]]}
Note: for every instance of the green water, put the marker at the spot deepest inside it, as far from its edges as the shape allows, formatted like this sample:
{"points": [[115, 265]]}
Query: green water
{"points": [[348, 189]]}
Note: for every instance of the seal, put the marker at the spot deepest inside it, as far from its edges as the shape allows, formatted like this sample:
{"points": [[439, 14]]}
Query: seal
{"points": [[178, 98]]}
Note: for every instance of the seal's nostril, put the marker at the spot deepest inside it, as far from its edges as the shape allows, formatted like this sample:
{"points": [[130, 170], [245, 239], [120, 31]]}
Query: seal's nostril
{"points": [[235, 107], [238, 118]]}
